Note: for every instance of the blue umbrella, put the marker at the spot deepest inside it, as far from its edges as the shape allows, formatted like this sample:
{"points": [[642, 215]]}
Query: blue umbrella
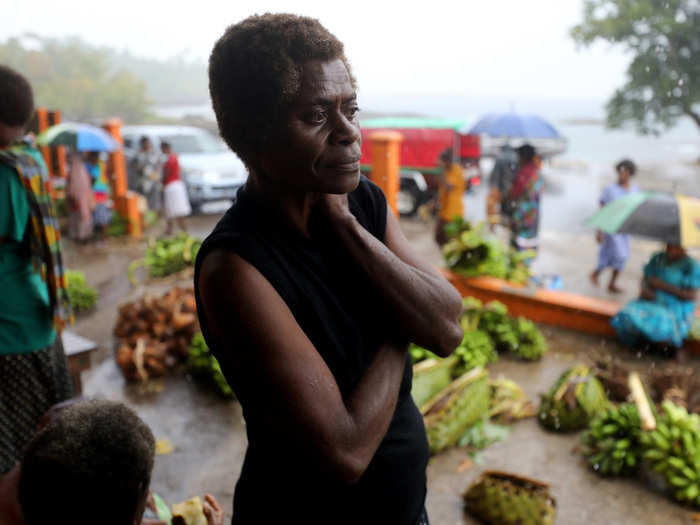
{"points": [[80, 137], [514, 125]]}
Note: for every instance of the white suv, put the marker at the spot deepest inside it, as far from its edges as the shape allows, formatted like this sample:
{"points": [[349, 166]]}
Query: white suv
{"points": [[209, 169]]}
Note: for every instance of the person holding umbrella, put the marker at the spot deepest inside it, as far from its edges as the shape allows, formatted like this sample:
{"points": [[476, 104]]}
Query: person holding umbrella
{"points": [[663, 314], [614, 248]]}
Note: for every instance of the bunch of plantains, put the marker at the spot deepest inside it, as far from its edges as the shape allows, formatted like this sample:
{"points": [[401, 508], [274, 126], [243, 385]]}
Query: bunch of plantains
{"points": [[508, 499], [203, 365], [167, 256], [673, 450], [611, 443], [574, 399], [477, 348], [469, 252], [450, 412], [518, 336], [82, 297]]}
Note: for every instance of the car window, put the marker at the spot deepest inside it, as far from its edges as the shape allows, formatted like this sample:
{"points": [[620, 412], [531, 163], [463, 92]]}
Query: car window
{"points": [[193, 143]]}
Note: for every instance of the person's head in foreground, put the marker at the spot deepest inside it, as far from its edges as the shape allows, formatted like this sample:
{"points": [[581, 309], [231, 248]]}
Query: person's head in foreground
{"points": [[625, 171], [285, 101], [90, 463], [16, 105]]}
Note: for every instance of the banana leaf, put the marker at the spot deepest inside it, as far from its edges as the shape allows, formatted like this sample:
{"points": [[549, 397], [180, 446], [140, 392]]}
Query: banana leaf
{"points": [[449, 413], [574, 399], [430, 377], [508, 499]]}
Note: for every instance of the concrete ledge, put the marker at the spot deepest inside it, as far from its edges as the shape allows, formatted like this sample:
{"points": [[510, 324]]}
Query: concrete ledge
{"points": [[568, 310]]}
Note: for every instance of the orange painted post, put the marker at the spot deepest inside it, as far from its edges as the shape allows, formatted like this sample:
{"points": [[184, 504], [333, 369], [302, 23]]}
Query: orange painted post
{"points": [[125, 202], [385, 164], [42, 116], [60, 150]]}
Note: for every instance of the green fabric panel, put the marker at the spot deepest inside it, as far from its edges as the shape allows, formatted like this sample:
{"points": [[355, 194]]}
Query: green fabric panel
{"points": [[613, 215], [25, 318]]}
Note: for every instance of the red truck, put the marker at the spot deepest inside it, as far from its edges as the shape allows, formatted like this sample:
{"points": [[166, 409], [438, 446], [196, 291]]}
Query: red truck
{"points": [[424, 139]]}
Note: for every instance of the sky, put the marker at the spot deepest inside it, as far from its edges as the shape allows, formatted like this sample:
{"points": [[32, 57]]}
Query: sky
{"points": [[487, 48]]}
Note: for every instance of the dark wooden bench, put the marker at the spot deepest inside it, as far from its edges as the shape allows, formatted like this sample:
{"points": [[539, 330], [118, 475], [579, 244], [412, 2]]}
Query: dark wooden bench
{"points": [[78, 351]]}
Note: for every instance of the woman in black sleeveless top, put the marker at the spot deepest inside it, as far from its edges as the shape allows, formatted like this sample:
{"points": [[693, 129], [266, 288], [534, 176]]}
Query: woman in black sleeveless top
{"points": [[308, 293]]}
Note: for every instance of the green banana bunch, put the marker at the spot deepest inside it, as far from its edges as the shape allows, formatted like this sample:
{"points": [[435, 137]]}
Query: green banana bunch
{"points": [[574, 399], [419, 353], [531, 343], [508, 499], [203, 365], [448, 414], [469, 252], [171, 255], [508, 401], [673, 450], [611, 443], [81, 296]]}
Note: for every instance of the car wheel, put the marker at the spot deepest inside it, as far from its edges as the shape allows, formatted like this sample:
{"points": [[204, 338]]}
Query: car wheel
{"points": [[408, 201], [196, 208]]}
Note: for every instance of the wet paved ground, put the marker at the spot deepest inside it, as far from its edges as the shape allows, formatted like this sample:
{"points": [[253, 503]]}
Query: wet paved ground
{"points": [[209, 434]]}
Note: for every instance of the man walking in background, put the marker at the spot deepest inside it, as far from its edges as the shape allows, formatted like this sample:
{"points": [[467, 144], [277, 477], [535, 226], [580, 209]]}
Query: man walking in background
{"points": [[499, 207]]}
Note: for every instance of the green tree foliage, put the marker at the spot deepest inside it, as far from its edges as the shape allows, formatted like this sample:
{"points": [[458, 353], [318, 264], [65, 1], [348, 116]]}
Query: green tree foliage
{"points": [[663, 79], [76, 78]]}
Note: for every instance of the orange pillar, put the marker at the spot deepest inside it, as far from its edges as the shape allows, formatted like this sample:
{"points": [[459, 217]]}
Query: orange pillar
{"points": [[60, 150], [385, 164], [42, 116], [125, 202]]}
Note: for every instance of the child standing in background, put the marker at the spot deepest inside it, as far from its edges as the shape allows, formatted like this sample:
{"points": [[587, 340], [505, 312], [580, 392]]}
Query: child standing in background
{"points": [[615, 249], [101, 215]]}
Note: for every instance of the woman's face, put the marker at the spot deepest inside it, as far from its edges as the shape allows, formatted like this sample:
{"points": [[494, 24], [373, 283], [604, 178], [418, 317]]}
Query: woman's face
{"points": [[317, 147], [674, 252]]}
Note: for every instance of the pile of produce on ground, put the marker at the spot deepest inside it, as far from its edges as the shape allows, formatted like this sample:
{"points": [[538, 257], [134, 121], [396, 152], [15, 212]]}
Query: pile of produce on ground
{"points": [[611, 443], [670, 382], [574, 399], [471, 253], [167, 255], [82, 297], [508, 401], [636, 439], [118, 226], [204, 366], [519, 336], [452, 411], [510, 499], [155, 333]]}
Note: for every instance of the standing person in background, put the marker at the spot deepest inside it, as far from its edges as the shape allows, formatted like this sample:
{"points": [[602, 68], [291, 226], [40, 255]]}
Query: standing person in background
{"points": [[146, 167], [450, 195], [34, 307], [525, 197], [176, 204], [81, 202], [102, 215], [498, 205], [615, 249]]}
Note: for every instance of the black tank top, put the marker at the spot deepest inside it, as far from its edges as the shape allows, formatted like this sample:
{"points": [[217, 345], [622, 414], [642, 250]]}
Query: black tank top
{"points": [[339, 310]]}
